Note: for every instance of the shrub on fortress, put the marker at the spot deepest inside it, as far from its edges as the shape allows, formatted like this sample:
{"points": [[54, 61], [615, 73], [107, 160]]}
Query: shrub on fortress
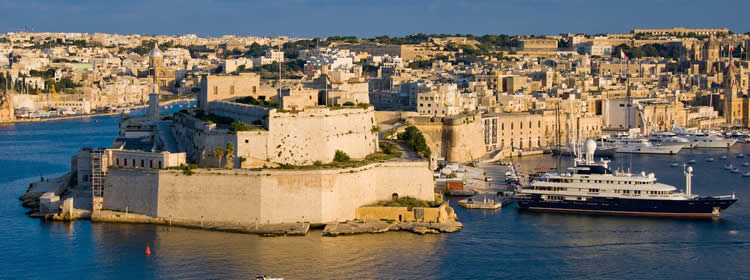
{"points": [[407, 201], [414, 139], [249, 100], [341, 156], [389, 148], [239, 126]]}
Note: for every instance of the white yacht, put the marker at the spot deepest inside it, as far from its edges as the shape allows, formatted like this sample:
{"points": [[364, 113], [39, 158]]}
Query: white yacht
{"points": [[705, 140], [666, 137], [591, 187], [638, 145]]}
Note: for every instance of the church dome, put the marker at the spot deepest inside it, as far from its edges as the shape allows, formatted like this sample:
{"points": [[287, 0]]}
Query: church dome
{"points": [[155, 52]]}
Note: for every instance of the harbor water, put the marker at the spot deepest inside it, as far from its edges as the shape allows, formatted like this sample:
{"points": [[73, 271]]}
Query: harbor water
{"points": [[493, 244]]}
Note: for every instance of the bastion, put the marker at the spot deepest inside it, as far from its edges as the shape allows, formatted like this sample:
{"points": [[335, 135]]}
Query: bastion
{"points": [[269, 196]]}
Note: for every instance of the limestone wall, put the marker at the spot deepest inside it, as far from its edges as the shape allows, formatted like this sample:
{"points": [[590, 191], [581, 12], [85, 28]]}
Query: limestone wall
{"points": [[457, 139], [240, 112], [400, 214], [268, 196], [132, 189], [221, 87], [315, 134]]}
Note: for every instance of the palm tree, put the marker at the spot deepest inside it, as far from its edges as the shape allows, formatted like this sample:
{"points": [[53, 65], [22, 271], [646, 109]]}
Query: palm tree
{"points": [[229, 152], [219, 152]]}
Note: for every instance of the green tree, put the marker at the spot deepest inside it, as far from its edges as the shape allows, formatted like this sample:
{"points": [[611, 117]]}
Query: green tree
{"points": [[219, 152], [341, 156], [239, 126], [414, 139]]}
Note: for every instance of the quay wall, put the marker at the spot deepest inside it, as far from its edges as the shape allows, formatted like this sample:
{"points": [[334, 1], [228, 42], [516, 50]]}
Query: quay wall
{"points": [[264, 197]]}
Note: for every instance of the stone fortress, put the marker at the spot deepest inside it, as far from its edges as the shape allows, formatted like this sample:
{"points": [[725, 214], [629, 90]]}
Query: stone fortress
{"points": [[235, 177]]}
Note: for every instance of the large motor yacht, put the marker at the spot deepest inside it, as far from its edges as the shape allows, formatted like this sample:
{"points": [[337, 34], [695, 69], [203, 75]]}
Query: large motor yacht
{"points": [[668, 138], [638, 145], [705, 140], [591, 187]]}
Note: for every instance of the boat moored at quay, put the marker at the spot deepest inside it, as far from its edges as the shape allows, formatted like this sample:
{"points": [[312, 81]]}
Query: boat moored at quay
{"points": [[591, 187]]}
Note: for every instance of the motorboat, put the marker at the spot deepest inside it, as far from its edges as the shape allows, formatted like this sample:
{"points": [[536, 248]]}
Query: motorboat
{"points": [[692, 161], [746, 163], [729, 167], [705, 140], [674, 164], [736, 170], [740, 155], [638, 145], [723, 157], [665, 138]]}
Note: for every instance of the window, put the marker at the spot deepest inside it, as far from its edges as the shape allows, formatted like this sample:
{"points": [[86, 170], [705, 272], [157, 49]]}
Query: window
{"points": [[118, 161], [247, 141], [143, 163], [151, 163], [216, 90], [231, 89], [160, 164]]}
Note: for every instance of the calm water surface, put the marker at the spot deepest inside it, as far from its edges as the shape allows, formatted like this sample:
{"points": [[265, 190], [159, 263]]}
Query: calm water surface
{"points": [[493, 244]]}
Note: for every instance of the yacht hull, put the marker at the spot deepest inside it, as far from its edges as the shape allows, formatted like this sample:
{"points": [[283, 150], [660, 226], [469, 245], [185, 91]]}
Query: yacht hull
{"points": [[661, 150], [701, 207], [724, 143]]}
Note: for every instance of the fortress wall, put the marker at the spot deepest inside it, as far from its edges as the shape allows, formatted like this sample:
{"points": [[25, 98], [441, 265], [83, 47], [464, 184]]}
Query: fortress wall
{"points": [[268, 196], [252, 145], [134, 190], [302, 138], [238, 111], [208, 197], [457, 140], [465, 140]]}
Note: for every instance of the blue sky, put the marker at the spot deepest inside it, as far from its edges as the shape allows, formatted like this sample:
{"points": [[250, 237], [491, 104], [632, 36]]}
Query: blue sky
{"points": [[368, 18]]}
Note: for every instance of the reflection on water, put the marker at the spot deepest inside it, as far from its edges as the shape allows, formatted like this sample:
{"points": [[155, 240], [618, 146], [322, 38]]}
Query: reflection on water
{"points": [[180, 253], [495, 244]]}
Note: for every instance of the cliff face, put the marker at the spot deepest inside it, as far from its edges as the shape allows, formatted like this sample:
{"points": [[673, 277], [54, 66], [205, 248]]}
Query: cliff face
{"points": [[6, 108]]}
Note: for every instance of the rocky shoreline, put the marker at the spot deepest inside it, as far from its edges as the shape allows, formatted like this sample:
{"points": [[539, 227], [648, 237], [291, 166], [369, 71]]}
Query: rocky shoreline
{"points": [[360, 227]]}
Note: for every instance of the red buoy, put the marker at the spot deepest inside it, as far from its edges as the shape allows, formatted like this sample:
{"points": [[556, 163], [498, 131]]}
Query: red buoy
{"points": [[148, 250]]}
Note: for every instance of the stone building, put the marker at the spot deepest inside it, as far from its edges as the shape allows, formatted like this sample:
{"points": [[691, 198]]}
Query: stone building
{"points": [[736, 105], [221, 87], [538, 44], [164, 77], [682, 31]]}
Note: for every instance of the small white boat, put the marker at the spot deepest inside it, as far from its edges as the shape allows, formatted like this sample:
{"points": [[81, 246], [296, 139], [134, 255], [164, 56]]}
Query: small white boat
{"points": [[723, 157], [746, 163], [710, 159], [736, 170], [674, 164], [728, 167], [740, 155], [692, 161], [746, 174], [487, 201]]}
